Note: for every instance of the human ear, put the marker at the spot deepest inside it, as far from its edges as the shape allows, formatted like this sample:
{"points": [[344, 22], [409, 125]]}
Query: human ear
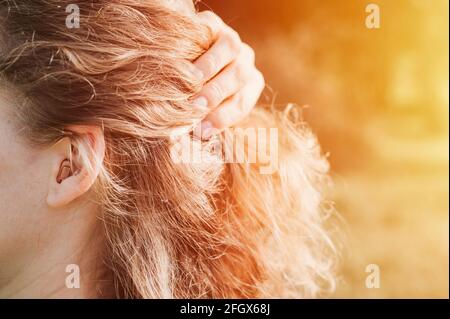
{"points": [[76, 164]]}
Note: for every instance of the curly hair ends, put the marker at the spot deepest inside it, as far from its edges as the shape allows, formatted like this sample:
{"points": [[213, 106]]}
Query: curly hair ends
{"points": [[174, 230]]}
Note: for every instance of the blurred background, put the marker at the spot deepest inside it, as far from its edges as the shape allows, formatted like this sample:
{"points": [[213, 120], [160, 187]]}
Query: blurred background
{"points": [[378, 99]]}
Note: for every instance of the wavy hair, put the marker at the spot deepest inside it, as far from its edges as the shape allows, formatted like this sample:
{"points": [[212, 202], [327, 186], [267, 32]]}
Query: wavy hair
{"points": [[172, 230]]}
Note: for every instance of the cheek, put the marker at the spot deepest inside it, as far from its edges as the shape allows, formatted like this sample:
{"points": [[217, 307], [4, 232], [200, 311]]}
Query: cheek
{"points": [[17, 174], [22, 196]]}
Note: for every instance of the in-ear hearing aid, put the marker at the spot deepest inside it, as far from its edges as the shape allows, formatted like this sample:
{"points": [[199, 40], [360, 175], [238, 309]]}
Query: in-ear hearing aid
{"points": [[64, 171]]}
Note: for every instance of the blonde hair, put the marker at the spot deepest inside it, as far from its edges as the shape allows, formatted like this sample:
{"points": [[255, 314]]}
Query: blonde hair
{"points": [[173, 230]]}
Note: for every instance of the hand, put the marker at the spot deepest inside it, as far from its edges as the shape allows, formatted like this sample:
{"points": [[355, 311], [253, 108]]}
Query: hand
{"points": [[233, 84]]}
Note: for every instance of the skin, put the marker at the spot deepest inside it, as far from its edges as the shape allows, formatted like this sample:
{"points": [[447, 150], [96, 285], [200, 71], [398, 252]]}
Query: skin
{"points": [[53, 224], [46, 226], [233, 84]]}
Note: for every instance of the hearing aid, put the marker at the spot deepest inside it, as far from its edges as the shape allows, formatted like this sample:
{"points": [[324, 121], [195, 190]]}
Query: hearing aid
{"points": [[64, 171]]}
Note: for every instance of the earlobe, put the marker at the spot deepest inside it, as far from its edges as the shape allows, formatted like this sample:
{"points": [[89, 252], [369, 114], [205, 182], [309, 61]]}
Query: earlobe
{"points": [[73, 175], [70, 188]]}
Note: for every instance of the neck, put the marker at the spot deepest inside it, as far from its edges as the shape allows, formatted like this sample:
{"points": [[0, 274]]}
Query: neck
{"points": [[68, 266]]}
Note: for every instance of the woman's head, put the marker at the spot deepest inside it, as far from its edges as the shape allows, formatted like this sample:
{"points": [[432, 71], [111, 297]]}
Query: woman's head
{"points": [[109, 97]]}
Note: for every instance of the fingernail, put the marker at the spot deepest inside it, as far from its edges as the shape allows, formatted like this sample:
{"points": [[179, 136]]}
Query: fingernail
{"points": [[204, 131], [200, 102]]}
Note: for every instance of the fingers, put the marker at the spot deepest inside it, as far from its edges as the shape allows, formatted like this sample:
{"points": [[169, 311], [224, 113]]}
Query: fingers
{"points": [[212, 20], [228, 82], [232, 83], [225, 49], [234, 109]]}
